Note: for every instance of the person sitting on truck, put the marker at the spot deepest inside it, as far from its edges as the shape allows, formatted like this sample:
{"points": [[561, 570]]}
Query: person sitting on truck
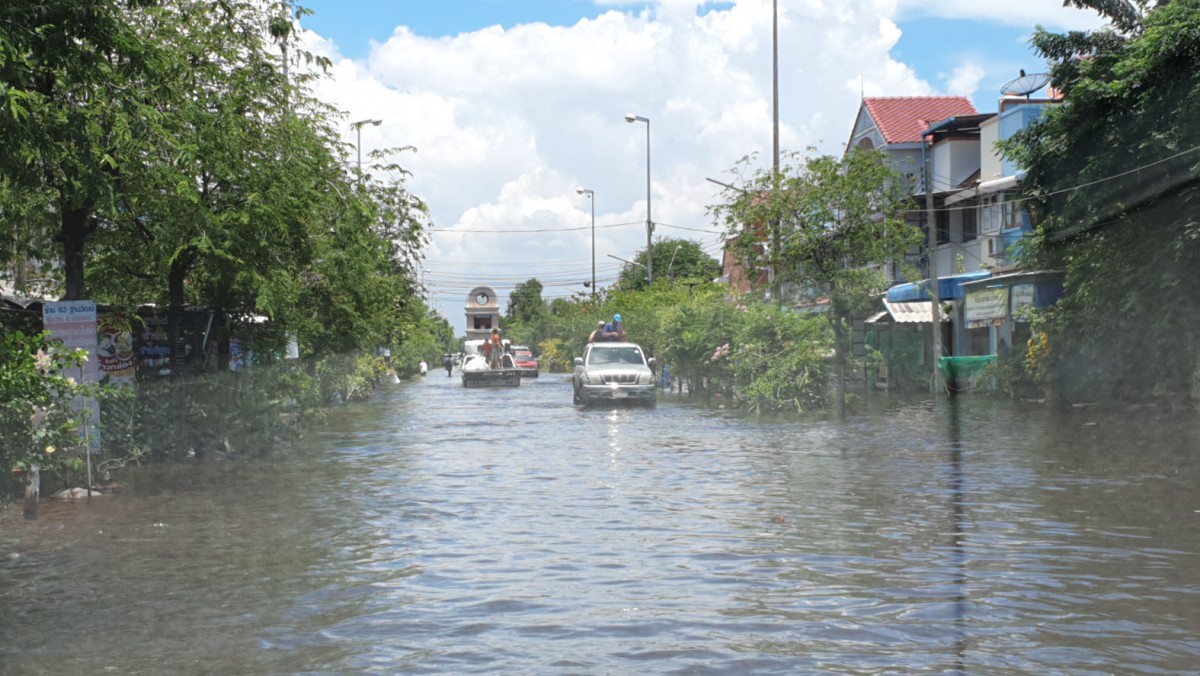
{"points": [[604, 333], [598, 333]]}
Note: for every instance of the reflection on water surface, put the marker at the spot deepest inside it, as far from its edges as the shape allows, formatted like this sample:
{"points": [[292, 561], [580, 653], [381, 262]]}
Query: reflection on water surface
{"points": [[440, 529]]}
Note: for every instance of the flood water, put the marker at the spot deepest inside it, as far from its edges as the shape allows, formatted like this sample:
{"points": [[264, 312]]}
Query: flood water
{"points": [[438, 529]]}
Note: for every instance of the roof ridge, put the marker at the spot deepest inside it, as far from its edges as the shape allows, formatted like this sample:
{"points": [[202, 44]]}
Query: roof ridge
{"points": [[926, 97]]}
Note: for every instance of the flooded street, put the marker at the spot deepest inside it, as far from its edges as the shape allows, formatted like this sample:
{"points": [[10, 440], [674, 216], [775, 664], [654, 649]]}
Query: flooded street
{"points": [[439, 529]]}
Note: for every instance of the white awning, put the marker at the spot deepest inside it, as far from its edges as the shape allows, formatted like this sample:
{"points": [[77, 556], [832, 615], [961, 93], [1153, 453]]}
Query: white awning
{"points": [[961, 196], [913, 312], [996, 185], [986, 188]]}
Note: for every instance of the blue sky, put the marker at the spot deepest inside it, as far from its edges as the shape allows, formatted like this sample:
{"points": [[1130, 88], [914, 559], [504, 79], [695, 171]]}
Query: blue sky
{"points": [[930, 44], [353, 23], [513, 105]]}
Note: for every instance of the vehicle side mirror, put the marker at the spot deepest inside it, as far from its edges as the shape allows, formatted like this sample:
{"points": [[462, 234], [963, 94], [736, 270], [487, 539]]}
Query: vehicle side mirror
{"points": [[579, 361]]}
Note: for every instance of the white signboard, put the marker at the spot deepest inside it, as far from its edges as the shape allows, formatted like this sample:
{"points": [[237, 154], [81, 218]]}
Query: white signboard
{"points": [[72, 323], [1022, 301], [985, 306]]}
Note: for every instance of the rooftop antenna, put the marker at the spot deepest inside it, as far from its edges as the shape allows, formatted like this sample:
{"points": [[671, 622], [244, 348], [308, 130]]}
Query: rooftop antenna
{"points": [[1024, 85]]}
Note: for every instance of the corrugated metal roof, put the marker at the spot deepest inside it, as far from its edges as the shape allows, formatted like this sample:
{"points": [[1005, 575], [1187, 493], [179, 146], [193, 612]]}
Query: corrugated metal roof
{"points": [[876, 317], [913, 312]]}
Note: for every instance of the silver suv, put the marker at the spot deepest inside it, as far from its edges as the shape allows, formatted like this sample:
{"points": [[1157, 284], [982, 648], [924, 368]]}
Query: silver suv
{"points": [[614, 372]]}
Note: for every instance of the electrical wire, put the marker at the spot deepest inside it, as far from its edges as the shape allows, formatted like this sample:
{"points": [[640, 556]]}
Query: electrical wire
{"points": [[444, 231]]}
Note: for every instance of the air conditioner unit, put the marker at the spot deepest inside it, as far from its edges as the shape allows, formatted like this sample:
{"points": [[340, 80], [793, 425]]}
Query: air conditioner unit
{"points": [[995, 247]]}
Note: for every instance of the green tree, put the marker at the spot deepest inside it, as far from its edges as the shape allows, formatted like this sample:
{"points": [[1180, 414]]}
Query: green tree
{"points": [[691, 327], [525, 303], [1112, 185], [835, 220], [80, 97], [779, 365]]}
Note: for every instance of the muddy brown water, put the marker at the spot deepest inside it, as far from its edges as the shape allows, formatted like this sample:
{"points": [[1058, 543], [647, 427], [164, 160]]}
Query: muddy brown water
{"points": [[438, 529]]}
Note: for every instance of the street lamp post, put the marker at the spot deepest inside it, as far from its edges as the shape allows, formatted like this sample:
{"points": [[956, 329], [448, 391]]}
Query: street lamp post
{"points": [[671, 265], [592, 198], [630, 263], [649, 219], [358, 142]]}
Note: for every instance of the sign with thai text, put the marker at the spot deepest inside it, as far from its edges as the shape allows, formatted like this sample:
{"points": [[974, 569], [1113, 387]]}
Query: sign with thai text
{"points": [[1022, 301], [985, 306], [114, 347], [72, 325]]}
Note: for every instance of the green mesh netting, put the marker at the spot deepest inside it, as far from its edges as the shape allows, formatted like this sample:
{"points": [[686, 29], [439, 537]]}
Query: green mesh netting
{"points": [[962, 370]]}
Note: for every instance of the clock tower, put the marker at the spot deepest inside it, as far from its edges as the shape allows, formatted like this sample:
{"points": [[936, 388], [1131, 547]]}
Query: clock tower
{"points": [[483, 313]]}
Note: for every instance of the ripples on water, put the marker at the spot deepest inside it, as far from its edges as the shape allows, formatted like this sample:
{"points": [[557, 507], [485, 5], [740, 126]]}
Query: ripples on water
{"points": [[439, 529]]}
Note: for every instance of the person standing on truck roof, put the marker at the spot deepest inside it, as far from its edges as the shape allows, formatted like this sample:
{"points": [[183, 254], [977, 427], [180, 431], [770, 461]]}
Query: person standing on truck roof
{"points": [[496, 349]]}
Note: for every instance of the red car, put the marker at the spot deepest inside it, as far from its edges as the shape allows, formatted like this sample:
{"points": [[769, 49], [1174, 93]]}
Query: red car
{"points": [[525, 361]]}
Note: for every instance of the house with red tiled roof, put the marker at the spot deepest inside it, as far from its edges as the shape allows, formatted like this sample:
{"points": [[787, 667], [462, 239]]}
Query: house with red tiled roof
{"points": [[895, 124], [976, 212]]}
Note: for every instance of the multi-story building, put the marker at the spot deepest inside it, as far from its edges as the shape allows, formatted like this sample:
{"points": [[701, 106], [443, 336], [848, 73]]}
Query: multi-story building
{"points": [[968, 193]]}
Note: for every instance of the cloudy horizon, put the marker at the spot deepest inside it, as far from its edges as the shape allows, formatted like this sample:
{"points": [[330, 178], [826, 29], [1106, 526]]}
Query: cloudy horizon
{"points": [[510, 121]]}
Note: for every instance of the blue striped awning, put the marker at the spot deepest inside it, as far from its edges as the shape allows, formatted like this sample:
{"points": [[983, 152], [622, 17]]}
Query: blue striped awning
{"points": [[949, 287]]}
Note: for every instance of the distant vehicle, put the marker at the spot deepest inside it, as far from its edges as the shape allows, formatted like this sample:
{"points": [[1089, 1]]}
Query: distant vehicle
{"points": [[477, 373], [525, 360], [614, 372]]}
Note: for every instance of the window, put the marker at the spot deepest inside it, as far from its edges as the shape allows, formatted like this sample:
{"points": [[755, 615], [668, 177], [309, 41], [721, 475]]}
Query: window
{"points": [[616, 355], [943, 226], [970, 224], [1014, 215], [990, 214]]}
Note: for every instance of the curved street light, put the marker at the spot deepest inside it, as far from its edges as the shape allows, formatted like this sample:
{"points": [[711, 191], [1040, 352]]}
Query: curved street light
{"points": [[591, 194], [672, 263], [631, 118], [358, 142]]}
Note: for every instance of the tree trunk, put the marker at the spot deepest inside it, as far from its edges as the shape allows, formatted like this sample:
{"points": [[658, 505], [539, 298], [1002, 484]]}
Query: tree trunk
{"points": [[33, 489], [180, 268], [840, 340], [74, 234]]}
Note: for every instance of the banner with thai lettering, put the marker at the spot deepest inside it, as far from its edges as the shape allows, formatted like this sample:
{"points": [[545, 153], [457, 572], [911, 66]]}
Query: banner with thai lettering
{"points": [[114, 344], [72, 325], [986, 307], [1022, 301]]}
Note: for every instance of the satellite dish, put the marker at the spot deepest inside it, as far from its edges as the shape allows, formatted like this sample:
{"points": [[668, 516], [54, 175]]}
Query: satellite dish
{"points": [[1024, 85]]}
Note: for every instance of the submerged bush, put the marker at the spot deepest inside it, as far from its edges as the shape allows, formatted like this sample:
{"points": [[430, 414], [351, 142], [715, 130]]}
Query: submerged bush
{"points": [[40, 420], [781, 361]]}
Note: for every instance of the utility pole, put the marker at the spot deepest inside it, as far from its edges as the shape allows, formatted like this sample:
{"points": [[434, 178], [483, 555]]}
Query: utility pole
{"points": [[591, 194], [775, 75], [631, 118], [776, 238], [936, 385]]}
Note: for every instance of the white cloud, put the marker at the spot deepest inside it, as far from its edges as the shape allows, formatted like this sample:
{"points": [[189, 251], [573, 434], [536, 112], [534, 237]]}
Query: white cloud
{"points": [[509, 123], [965, 78], [1050, 14]]}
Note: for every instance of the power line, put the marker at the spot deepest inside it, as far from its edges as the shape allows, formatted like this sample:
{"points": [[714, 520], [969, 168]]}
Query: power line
{"points": [[1062, 191], [444, 231]]}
